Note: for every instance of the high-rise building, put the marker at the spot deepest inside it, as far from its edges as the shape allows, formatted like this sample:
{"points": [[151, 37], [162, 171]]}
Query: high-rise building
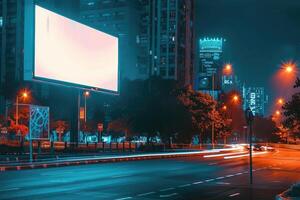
{"points": [[231, 82], [12, 43], [166, 39], [255, 99], [11, 52], [209, 71], [118, 18]]}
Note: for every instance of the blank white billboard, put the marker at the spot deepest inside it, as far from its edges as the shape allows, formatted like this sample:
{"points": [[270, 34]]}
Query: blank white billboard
{"points": [[70, 52]]}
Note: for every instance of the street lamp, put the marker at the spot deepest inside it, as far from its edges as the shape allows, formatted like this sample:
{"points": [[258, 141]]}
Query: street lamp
{"points": [[23, 95], [224, 107], [227, 70], [86, 94], [277, 113], [280, 101], [235, 98]]}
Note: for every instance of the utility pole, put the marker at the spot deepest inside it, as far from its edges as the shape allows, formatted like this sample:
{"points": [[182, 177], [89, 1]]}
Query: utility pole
{"points": [[249, 118], [213, 123]]}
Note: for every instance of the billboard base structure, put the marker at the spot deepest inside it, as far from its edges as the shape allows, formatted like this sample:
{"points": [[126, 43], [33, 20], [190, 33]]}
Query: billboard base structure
{"points": [[39, 126]]}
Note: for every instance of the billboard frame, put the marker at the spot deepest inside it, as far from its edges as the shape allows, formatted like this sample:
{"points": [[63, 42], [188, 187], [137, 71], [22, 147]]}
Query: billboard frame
{"points": [[29, 53]]}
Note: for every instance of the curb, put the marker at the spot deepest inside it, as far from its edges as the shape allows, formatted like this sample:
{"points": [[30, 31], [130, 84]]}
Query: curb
{"points": [[103, 160]]}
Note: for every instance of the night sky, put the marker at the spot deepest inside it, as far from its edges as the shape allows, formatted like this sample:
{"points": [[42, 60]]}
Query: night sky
{"points": [[260, 34]]}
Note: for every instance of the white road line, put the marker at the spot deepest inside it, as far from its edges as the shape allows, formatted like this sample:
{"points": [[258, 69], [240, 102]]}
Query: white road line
{"points": [[167, 189], [198, 182], [222, 183], [185, 185], [244, 155], [208, 180], [235, 194], [167, 195], [223, 154], [221, 177], [212, 163], [239, 173], [145, 194], [9, 189], [120, 176], [230, 175], [124, 198]]}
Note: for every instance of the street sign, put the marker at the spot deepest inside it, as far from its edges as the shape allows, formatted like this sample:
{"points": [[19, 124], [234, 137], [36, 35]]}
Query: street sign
{"points": [[249, 115], [100, 127], [81, 115]]}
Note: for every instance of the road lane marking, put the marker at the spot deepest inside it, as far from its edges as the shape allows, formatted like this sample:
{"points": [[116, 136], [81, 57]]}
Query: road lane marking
{"points": [[120, 176], [185, 185], [222, 183], [239, 173], [166, 189], [124, 198], [198, 182], [230, 175], [244, 155], [221, 177], [209, 180], [223, 154], [167, 195], [235, 194], [9, 189], [145, 194], [212, 163]]}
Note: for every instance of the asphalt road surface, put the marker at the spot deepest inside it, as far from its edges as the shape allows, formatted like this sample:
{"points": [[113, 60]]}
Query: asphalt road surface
{"points": [[207, 177]]}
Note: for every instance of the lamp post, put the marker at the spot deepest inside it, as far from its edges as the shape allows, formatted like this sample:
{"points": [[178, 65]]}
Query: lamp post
{"points": [[24, 95], [249, 119], [86, 94]]}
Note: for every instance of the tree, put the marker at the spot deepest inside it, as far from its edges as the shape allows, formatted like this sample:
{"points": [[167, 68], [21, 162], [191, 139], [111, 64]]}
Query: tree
{"points": [[151, 108], [265, 129], [201, 107], [292, 112], [60, 127]]}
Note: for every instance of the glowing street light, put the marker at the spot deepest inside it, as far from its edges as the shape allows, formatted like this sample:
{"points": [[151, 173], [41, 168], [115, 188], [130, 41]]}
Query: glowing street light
{"points": [[227, 69], [86, 94], [235, 98], [224, 107], [280, 101], [23, 95], [277, 113]]}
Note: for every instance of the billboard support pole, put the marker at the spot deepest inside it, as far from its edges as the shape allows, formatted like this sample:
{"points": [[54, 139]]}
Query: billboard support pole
{"points": [[78, 119], [30, 140]]}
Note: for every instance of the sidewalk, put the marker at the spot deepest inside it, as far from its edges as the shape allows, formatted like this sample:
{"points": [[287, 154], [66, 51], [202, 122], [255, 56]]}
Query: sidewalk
{"points": [[100, 158]]}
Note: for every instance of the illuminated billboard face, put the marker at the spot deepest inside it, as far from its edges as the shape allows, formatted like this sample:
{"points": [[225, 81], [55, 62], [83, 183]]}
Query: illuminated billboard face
{"points": [[70, 52]]}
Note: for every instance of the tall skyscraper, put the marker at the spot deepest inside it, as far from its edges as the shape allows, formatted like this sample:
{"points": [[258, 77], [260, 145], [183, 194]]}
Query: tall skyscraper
{"points": [[166, 39], [12, 42], [256, 99], [11, 53], [209, 72], [118, 18]]}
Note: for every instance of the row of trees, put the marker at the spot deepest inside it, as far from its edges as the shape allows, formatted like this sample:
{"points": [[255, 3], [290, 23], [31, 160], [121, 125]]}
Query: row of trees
{"points": [[157, 107], [292, 113]]}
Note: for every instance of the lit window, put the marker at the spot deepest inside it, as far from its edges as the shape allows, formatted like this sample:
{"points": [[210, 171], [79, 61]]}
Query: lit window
{"points": [[1, 21], [91, 3]]}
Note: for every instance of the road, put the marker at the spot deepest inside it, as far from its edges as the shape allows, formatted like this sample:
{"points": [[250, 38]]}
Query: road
{"points": [[208, 177]]}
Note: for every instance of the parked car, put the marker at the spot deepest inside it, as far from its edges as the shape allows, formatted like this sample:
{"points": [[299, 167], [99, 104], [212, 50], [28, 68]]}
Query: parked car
{"points": [[258, 147], [293, 193]]}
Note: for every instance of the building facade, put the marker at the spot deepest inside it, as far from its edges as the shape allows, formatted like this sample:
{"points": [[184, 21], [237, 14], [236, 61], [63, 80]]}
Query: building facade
{"points": [[118, 18], [11, 52], [12, 43], [166, 39], [209, 70], [255, 99]]}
